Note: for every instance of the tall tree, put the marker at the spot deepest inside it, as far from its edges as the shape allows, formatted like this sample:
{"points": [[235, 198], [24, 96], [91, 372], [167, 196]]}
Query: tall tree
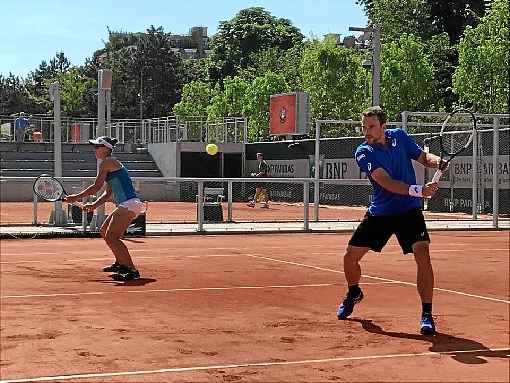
{"points": [[147, 75], [396, 17], [73, 90], [38, 81], [407, 76], [195, 99], [453, 16], [424, 17], [444, 58], [482, 76], [334, 79], [256, 107], [14, 97], [229, 102], [251, 30]]}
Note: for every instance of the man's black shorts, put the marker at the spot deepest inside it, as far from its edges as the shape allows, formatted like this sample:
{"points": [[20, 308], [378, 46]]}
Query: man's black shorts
{"points": [[374, 231]]}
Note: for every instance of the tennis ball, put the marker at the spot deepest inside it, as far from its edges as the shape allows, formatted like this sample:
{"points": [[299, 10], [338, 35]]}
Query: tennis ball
{"points": [[211, 149]]}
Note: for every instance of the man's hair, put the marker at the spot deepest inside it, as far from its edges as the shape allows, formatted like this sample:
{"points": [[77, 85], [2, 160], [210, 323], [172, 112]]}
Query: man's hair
{"points": [[376, 111], [260, 154]]}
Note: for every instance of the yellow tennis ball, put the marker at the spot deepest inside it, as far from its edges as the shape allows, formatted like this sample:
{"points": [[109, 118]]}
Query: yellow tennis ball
{"points": [[211, 149]]}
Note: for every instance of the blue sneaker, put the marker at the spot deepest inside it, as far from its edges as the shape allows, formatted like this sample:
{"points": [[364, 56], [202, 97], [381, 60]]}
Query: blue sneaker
{"points": [[347, 305], [427, 326]]}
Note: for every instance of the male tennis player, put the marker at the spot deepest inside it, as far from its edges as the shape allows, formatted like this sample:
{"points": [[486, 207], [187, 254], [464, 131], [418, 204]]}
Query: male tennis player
{"points": [[385, 157], [120, 187], [261, 189]]}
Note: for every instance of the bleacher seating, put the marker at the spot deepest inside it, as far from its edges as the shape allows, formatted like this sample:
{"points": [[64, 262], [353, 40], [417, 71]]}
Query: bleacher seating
{"points": [[78, 160]]}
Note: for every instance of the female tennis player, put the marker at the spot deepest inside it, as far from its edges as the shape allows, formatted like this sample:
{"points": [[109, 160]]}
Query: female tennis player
{"points": [[120, 187]]}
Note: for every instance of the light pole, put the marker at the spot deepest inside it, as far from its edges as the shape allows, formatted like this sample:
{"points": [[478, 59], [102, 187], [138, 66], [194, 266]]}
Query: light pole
{"points": [[141, 96], [375, 30], [367, 65]]}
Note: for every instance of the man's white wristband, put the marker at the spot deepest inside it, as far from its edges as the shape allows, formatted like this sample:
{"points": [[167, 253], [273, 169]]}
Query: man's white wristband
{"points": [[416, 190]]}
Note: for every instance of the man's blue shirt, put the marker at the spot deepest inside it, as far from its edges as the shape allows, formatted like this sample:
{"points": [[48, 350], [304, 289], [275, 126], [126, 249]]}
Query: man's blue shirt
{"points": [[21, 123], [394, 157]]}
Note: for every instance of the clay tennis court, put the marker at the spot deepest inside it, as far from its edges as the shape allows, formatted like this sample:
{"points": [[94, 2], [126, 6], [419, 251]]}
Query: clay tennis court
{"points": [[251, 308]]}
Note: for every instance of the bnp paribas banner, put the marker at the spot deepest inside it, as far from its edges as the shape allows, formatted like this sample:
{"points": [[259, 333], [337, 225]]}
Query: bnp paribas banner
{"points": [[281, 168], [347, 168], [460, 174]]}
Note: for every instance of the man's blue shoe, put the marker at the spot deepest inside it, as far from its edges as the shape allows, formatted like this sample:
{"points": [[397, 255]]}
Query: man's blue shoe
{"points": [[347, 305], [427, 326]]}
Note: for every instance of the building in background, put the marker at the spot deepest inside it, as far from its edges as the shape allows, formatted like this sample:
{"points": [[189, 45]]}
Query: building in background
{"points": [[194, 45]]}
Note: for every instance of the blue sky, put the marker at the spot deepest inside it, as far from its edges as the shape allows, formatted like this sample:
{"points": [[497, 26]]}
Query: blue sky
{"points": [[35, 30]]}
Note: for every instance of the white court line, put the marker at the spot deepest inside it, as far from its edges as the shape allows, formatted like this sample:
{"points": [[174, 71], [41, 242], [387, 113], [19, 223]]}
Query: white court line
{"points": [[203, 255], [432, 251], [245, 365], [110, 258], [377, 278], [182, 289], [152, 250]]}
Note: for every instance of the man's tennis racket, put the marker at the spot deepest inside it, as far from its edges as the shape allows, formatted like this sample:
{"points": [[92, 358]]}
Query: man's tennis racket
{"points": [[456, 135], [50, 189]]}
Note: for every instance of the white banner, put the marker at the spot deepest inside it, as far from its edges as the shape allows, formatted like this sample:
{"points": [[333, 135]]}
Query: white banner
{"points": [[346, 168], [460, 173]]}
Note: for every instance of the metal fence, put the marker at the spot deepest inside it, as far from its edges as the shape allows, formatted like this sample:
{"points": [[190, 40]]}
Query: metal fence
{"points": [[183, 200], [132, 131]]}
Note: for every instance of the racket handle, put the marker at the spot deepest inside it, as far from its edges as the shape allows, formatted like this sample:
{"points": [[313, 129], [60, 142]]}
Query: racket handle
{"points": [[437, 175]]}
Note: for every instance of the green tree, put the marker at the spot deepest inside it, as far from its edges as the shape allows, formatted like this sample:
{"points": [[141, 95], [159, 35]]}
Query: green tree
{"points": [[424, 18], [195, 70], [407, 76], [252, 30], [159, 69], [439, 24], [14, 97], [453, 17], [195, 99], [147, 75], [230, 101], [482, 76], [402, 16], [256, 107], [334, 79], [276, 60], [37, 81], [73, 90], [443, 57]]}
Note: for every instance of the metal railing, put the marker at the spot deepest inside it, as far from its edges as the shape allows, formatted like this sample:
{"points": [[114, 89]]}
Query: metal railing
{"points": [[135, 131], [180, 199]]}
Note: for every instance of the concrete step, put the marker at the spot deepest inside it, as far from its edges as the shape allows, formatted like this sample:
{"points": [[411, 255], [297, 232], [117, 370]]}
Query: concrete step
{"points": [[71, 173], [71, 165], [48, 147], [87, 165], [35, 172], [26, 164], [122, 156], [26, 155]]}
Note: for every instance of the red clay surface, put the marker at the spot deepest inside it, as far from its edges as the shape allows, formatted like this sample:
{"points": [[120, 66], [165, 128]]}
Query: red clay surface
{"points": [[21, 212], [256, 308]]}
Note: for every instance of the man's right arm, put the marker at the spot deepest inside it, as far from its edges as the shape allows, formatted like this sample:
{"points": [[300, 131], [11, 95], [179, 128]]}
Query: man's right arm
{"points": [[382, 177]]}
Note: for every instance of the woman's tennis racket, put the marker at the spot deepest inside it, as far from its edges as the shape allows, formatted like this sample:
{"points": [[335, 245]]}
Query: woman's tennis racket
{"points": [[456, 135], [50, 189]]}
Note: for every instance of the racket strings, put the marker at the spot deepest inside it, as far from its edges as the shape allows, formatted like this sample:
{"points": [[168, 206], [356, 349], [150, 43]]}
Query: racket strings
{"points": [[48, 189], [456, 134]]}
